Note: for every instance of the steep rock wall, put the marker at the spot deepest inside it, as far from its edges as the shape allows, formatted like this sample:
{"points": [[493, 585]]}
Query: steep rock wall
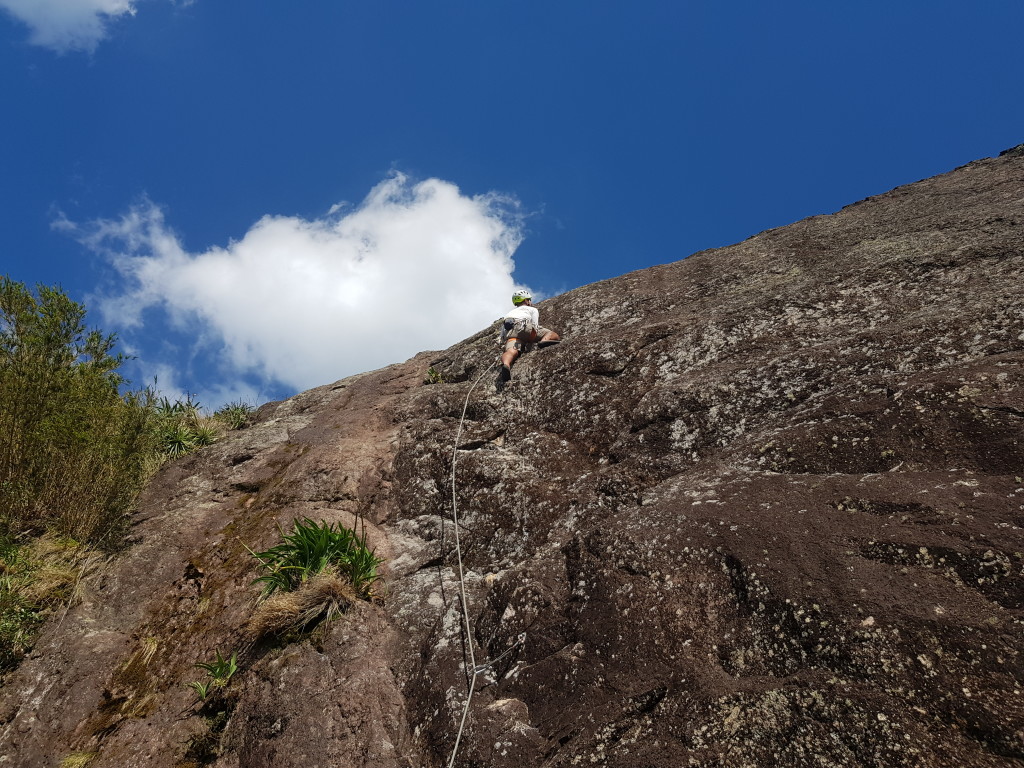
{"points": [[763, 505]]}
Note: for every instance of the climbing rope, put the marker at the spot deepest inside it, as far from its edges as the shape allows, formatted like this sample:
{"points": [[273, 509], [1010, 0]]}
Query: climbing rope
{"points": [[462, 579]]}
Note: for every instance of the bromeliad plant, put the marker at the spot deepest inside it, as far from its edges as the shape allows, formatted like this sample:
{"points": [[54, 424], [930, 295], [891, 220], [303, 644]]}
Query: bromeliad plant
{"points": [[235, 415], [315, 574], [314, 548], [180, 427]]}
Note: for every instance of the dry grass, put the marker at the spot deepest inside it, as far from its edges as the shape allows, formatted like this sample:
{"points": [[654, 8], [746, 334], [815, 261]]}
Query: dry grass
{"points": [[320, 599], [61, 567], [78, 759], [37, 580]]}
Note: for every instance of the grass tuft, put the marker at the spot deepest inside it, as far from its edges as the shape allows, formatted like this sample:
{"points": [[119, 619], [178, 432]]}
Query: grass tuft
{"points": [[320, 599], [317, 572]]}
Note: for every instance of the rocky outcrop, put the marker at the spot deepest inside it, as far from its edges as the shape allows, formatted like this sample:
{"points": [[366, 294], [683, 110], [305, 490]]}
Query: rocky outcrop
{"points": [[762, 506]]}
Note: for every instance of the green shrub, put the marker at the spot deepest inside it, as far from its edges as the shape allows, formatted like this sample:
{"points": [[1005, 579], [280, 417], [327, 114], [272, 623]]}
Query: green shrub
{"points": [[76, 447], [74, 453], [19, 621], [73, 448]]}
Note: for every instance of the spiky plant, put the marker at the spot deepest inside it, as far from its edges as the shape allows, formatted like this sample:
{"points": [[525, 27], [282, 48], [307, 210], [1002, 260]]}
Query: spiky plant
{"points": [[176, 439], [320, 599], [205, 432], [308, 550], [202, 689], [361, 566], [235, 415], [220, 669], [313, 574]]}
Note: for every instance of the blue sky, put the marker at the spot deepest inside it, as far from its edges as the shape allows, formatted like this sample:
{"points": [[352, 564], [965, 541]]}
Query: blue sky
{"points": [[263, 197]]}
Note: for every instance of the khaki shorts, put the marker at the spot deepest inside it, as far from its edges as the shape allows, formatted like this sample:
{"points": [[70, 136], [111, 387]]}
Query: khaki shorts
{"points": [[516, 333]]}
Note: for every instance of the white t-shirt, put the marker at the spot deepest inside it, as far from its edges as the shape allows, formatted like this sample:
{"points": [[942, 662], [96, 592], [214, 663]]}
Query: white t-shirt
{"points": [[524, 312]]}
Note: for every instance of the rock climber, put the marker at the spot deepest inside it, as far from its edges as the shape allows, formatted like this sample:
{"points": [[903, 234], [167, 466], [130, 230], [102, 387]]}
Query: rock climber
{"points": [[522, 327]]}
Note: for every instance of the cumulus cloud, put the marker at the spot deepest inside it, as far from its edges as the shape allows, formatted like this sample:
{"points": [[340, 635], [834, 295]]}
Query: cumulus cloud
{"points": [[68, 25], [415, 266]]}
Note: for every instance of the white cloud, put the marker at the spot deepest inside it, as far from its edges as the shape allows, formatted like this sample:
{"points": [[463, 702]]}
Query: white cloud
{"points": [[68, 25], [413, 267]]}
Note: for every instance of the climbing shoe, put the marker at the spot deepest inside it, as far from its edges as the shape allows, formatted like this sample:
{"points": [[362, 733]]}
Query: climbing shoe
{"points": [[504, 376], [542, 344]]}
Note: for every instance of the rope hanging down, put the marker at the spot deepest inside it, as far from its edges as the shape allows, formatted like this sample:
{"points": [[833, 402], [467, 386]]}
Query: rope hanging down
{"points": [[462, 580]]}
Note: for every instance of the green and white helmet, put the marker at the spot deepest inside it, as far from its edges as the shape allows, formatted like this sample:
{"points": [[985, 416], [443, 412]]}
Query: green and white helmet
{"points": [[520, 296]]}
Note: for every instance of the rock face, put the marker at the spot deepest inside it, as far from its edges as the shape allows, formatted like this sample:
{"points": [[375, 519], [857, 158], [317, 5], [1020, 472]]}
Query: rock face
{"points": [[763, 506]]}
